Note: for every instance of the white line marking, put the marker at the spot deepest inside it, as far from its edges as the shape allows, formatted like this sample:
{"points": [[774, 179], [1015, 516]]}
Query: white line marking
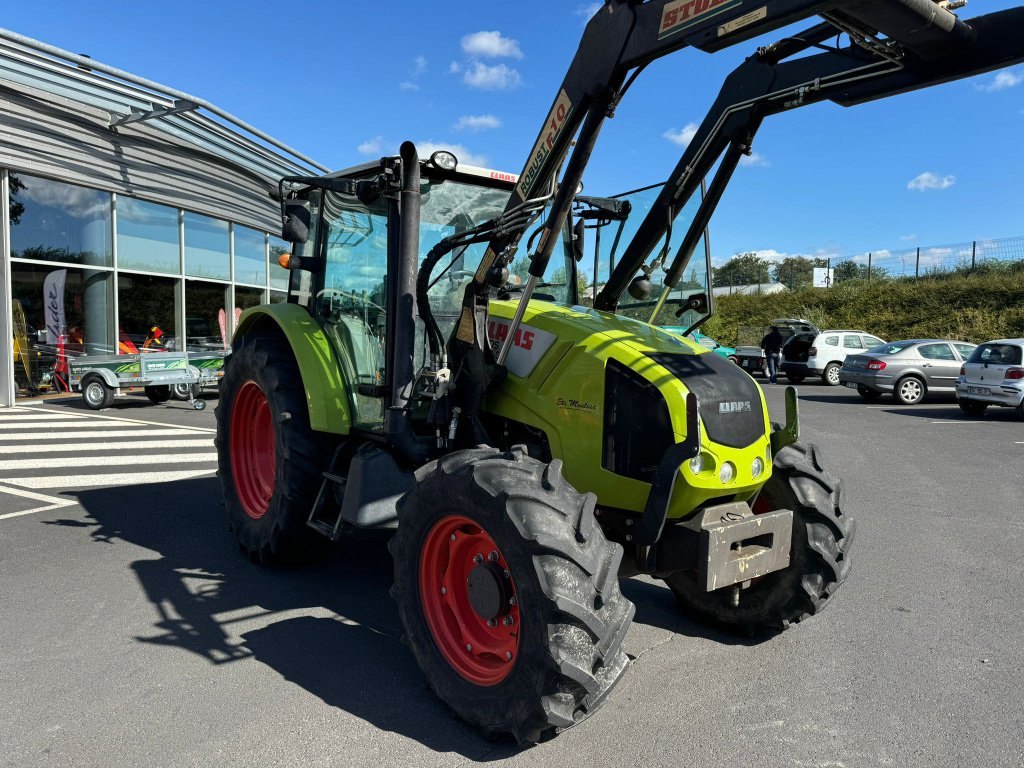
{"points": [[956, 422], [54, 502], [27, 416], [121, 478], [10, 450], [131, 421], [44, 425], [94, 435], [83, 462]]}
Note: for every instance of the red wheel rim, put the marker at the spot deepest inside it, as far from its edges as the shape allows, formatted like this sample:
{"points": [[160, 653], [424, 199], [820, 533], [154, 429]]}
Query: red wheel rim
{"points": [[481, 651], [761, 505], [253, 456]]}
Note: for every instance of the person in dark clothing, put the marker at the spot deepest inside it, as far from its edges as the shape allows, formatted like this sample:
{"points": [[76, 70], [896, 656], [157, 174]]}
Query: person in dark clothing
{"points": [[772, 346]]}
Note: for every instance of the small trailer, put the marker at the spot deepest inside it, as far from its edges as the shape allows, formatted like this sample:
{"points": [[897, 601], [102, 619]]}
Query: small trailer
{"points": [[101, 378]]}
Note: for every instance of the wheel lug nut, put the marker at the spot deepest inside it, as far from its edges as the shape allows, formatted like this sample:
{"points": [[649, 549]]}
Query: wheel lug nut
{"points": [[492, 556], [507, 621], [508, 655], [492, 623], [478, 559], [453, 537], [507, 574], [469, 647], [444, 591], [512, 601]]}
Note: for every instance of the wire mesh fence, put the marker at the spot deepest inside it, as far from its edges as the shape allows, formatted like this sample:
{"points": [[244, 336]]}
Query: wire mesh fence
{"points": [[925, 260]]}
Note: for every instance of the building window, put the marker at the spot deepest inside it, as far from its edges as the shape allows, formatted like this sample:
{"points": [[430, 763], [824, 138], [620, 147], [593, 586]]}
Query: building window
{"points": [[205, 323], [278, 274], [250, 256], [247, 297], [148, 308], [147, 236], [278, 297], [58, 313], [53, 221], [207, 252]]}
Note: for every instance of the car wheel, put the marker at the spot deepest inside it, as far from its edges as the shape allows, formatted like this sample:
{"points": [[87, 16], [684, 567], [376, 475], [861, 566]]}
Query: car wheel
{"points": [[867, 393], [972, 408], [796, 378], [910, 390], [831, 374]]}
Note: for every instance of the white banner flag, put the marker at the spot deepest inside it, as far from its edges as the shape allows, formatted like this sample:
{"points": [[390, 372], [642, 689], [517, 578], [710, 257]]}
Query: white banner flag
{"points": [[53, 298]]}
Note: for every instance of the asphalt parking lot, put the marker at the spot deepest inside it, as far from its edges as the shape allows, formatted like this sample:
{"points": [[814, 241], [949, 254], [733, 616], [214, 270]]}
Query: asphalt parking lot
{"points": [[133, 633]]}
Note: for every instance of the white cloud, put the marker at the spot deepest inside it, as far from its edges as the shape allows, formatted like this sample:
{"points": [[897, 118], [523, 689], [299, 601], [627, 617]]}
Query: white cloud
{"points": [[454, 68], [1001, 82], [491, 78], [683, 136], [755, 160], [929, 180], [907, 238], [464, 155], [419, 66], [78, 202], [476, 123], [374, 146], [491, 45], [405, 85]]}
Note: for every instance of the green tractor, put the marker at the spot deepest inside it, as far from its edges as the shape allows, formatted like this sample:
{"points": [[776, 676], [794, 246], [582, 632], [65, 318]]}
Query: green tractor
{"points": [[530, 451]]}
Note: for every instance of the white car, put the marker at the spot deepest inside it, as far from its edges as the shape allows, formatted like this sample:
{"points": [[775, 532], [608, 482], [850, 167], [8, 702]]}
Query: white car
{"points": [[993, 375], [806, 355]]}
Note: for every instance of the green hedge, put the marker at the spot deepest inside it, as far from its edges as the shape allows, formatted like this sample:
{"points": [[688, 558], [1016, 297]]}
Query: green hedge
{"points": [[975, 306]]}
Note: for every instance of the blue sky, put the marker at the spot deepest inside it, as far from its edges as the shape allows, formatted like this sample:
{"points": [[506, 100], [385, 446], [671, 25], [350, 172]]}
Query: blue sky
{"points": [[343, 81]]}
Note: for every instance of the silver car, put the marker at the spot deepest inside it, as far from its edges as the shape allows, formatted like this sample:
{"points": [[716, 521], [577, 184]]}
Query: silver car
{"points": [[993, 375], [908, 370]]}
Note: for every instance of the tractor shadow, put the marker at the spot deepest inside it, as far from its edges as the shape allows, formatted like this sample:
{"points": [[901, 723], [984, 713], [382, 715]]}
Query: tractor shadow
{"points": [[329, 627]]}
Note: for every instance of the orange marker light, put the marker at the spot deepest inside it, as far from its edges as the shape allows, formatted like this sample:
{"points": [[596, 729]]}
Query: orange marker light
{"points": [[283, 259]]}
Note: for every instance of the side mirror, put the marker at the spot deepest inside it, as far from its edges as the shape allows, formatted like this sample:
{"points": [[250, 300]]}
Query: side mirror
{"points": [[577, 240], [698, 303], [295, 220]]}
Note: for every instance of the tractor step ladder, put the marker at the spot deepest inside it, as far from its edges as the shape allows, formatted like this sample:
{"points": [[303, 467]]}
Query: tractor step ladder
{"points": [[325, 517]]}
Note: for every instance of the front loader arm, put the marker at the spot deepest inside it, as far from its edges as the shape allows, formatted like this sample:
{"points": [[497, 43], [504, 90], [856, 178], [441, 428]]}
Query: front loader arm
{"points": [[626, 35]]}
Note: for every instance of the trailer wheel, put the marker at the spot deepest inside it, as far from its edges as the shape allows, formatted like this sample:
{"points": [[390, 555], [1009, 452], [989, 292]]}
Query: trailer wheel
{"points": [[508, 592], [96, 394], [181, 391], [159, 394], [820, 557], [270, 461]]}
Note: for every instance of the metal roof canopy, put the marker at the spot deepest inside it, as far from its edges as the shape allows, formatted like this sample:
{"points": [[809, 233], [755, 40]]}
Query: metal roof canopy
{"points": [[129, 99]]}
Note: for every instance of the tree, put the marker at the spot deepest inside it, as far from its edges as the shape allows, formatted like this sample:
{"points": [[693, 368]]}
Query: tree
{"points": [[742, 269], [560, 277], [15, 208], [797, 272], [851, 270]]}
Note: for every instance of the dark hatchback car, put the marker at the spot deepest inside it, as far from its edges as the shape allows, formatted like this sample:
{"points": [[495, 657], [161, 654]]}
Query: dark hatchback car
{"points": [[908, 370]]}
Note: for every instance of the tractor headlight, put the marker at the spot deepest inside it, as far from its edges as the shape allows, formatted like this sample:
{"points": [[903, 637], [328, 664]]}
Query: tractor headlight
{"points": [[757, 467], [697, 464], [727, 472], [444, 160]]}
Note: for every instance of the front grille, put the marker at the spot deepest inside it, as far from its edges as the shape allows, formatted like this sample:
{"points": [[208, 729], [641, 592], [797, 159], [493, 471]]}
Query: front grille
{"points": [[637, 425], [730, 402]]}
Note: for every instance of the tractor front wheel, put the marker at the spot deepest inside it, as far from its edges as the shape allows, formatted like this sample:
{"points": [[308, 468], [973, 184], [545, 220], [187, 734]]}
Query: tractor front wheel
{"points": [[819, 559], [508, 592], [269, 458]]}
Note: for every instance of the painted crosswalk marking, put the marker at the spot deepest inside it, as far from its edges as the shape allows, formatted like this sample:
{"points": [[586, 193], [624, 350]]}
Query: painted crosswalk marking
{"points": [[133, 445], [84, 424], [74, 435], [84, 462], [120, 478]]}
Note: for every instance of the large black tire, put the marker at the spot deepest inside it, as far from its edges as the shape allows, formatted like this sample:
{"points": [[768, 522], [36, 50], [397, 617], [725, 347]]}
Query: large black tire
{"points": [[972, 407], [572, 618], [796, 378], [819, 560], [300, 455], [158, 395], [96, 394]]}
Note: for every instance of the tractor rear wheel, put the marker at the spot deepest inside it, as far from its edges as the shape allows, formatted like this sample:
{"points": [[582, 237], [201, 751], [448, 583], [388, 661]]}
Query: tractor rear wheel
{"points": [[508, 592], [819, 559], [269, 458]]}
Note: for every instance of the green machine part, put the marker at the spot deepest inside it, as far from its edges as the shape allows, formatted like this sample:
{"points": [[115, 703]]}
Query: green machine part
{"points": [[563, 394], [327, 394]]}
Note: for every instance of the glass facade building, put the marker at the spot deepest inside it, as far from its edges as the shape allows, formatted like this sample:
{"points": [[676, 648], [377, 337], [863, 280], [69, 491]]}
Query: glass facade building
{"points": [[127, 223]]}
